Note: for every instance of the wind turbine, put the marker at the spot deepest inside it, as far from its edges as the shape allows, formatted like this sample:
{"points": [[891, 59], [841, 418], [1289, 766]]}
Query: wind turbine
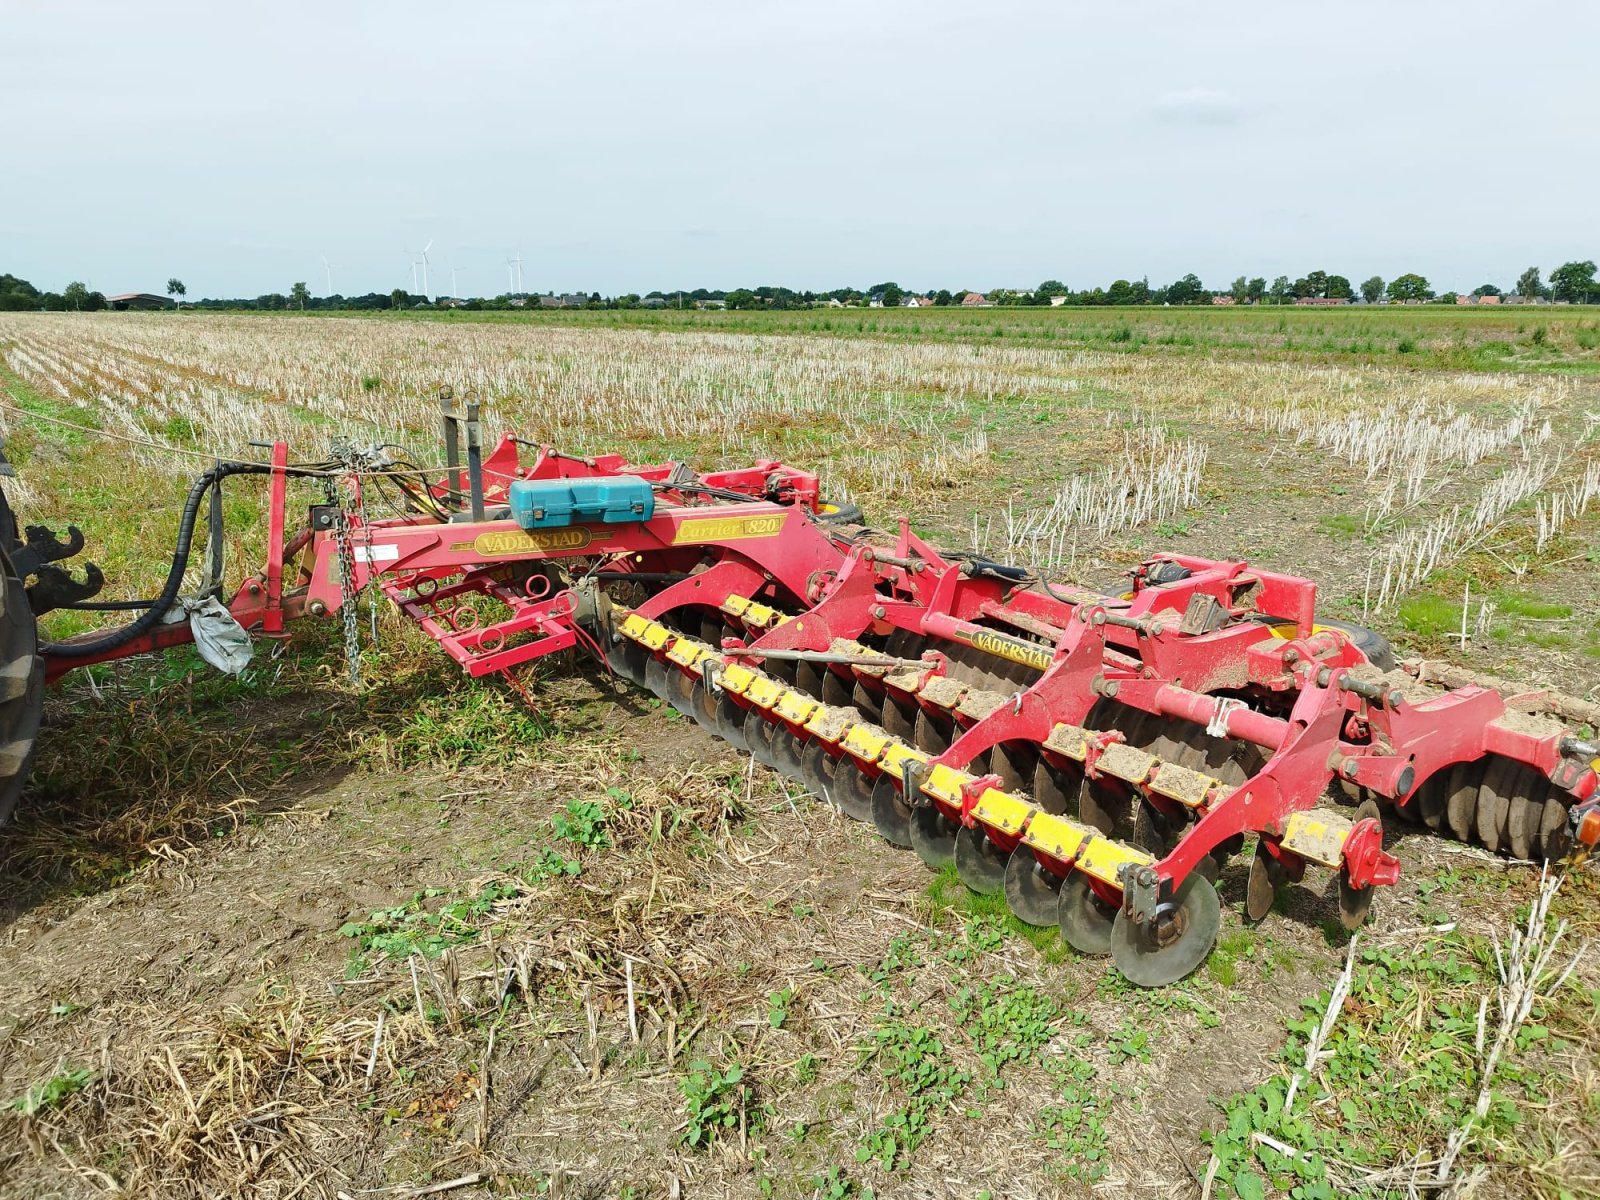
{"points": [[327, 273], [514, 265], [424, 253], [454, 295]]}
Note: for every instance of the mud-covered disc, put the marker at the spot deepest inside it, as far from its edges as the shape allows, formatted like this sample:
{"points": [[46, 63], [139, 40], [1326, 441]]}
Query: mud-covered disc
{"points": [[1157, 952], [1555, 828], [979, 862], [1461, 806], [1494, 804], [1033, 894], [933, 836], [1527, 813]]}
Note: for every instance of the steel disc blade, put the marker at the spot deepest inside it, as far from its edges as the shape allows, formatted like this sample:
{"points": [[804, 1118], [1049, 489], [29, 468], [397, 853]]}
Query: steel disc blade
{"points": [[1084, 919], [852, 790], [808, 678], [891, 815], [655, 677], [758, 737], [1162, 951], [1155, 831], [1266, 877], [1032, 893], [899, 720], [730, 722], [933, 836], [711, 629], [627, 660], [817, 771], [979, 862], [834, 689], [1462, 805], [1494, 804], [781, 669], [680, 692], [1015, 763], [927, 735], [1354, 902], [1055, 789], [1097, 808], [786, 751], [867, 703]]}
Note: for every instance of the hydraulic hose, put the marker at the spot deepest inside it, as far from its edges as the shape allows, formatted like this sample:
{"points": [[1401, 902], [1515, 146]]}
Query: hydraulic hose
{"points": [[124, 634]]}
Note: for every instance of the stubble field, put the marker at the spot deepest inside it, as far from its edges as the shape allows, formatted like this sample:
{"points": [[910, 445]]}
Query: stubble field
{"points": [[272, 937]]}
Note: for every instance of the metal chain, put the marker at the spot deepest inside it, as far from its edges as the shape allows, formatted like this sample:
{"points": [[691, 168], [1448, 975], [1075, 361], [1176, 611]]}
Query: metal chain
{"points": [[372, 567], [347, 575]]}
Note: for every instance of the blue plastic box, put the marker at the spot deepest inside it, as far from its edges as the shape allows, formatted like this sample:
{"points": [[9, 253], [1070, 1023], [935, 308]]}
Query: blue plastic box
{"points": [[555, 503]]}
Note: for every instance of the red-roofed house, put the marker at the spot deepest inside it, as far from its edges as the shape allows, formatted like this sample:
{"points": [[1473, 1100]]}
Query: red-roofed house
{"points": [[975, 300]]}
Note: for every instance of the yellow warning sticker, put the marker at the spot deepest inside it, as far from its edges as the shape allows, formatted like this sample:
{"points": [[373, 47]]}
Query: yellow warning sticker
{"points": [[501, 543], [728, 529]]}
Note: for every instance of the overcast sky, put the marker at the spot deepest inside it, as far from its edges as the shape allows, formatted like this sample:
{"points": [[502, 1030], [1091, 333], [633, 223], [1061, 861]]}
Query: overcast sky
{"points": [[625, 146]]}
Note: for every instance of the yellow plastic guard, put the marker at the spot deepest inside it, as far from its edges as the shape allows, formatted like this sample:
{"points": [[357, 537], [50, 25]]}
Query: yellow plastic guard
{"points": [[1103, 858], [1055, 836], [633, 626], [736, 679], [795, 707], [897, 755], [687, 653], [656, 636], [1068, 740], [865, 743], [759, 614], [763, 692], [1317, 834], [736, 605], [1067, 840], [1002, 811], [945, 783]]}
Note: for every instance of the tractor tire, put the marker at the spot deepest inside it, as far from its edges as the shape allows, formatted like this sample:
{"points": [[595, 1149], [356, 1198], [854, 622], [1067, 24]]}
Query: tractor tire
{"points": [[21, 673], [840, 514]]}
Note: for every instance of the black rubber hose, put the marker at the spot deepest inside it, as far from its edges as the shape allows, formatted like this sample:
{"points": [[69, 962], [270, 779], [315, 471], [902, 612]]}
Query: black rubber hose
{"points": [[124, 634]]}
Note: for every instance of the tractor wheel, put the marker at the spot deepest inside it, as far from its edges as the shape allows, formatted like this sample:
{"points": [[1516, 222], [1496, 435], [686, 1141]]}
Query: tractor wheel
{"points": [[840, 514], [21, 673]]}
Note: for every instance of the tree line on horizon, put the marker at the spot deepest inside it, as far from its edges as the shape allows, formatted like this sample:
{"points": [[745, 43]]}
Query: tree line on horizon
{"points": [[1570, 283]]}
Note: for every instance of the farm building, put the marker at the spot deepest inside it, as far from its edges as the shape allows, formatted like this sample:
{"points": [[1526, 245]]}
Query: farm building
{"points": [[124, 301], [919, 301], [975, 300], [1223, 301], [1321, 300]]}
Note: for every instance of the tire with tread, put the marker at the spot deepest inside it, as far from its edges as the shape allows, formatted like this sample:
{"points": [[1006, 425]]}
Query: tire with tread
{"points": [[21, 673]]}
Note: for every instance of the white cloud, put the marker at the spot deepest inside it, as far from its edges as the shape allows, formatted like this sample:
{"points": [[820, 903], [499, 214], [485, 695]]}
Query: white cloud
{"points": [[1199, 106]]}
